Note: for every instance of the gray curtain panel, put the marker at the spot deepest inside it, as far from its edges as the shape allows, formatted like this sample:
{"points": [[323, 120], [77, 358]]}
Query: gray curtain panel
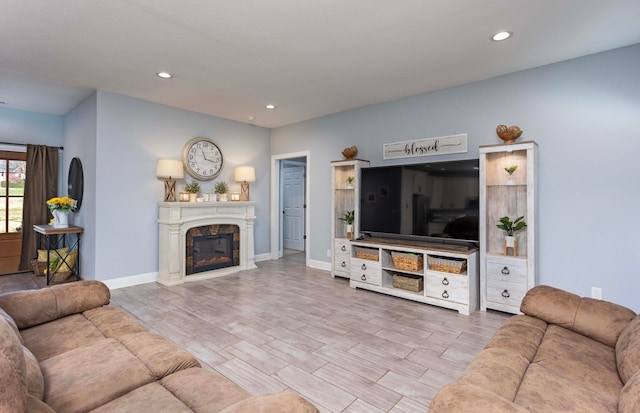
{"points": [[40, 185]]}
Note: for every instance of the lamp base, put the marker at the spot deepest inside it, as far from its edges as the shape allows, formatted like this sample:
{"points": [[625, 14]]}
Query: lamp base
{"points": [[169, 190], [244, 191]]}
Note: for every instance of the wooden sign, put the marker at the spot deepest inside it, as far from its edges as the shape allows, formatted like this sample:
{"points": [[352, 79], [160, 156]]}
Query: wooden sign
{"points": [[426, 147]]}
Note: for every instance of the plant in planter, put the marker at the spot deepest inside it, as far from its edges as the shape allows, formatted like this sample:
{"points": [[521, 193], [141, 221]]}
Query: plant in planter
{"points": [[221, 188], [350, 180], [348, 217], [510, 170], [193, 188], [511, 227]]}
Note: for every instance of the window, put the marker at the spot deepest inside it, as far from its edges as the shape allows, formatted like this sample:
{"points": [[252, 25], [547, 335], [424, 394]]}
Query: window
{"points": [[13, 172]]}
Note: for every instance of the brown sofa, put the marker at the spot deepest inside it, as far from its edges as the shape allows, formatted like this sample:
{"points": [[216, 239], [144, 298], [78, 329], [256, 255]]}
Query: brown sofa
{"points": [[64, 349], [566, 354]]}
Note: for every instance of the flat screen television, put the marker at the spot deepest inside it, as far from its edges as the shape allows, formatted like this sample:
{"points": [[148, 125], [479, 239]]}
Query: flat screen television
{"points": [[437, 201]]}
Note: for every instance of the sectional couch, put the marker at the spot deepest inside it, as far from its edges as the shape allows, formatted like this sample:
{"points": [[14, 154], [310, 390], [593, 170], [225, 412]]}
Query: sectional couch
{"points": [[565, 354], [64, 349]]}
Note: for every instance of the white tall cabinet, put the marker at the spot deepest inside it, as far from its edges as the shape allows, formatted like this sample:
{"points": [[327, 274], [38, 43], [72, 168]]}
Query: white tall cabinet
{"points": [[505, 276], [345, 196]]}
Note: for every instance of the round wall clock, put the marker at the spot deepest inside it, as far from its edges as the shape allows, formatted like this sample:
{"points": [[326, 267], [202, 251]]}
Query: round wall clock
{"points": [[202, 159]]}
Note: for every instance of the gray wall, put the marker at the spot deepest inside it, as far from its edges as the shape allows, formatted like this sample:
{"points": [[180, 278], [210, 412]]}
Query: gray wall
{"points": [[585, 116], [18, 126], [131, 135], [80, 142]]}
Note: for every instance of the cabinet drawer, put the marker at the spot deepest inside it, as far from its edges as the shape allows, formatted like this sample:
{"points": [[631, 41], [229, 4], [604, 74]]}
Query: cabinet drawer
{"points": [[365, 271], [505, 292], [341, 246], [507, 270], [342, 262], [448, 287]]}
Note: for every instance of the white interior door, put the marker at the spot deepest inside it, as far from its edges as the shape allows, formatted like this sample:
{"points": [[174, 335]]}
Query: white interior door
{"points": [[293, 207]]}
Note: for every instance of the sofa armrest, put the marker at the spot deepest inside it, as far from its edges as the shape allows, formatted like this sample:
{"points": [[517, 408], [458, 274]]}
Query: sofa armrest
{"points": [[468, 398], [32, 307], [600, 320], [273, 402]]}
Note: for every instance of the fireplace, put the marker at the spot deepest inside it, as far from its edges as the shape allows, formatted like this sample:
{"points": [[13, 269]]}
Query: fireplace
{"points": [[211, 230], [212, 247]]}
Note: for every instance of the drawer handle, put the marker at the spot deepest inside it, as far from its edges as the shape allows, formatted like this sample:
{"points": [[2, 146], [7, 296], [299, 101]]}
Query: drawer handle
{"points": [[505, 270], [343, 248], [445, 294], [344, 264], [445, 281], [506, 294], [363, 278], [364, 267]]}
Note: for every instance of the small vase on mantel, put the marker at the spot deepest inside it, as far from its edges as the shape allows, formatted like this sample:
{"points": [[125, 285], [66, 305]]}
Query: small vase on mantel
{"points": [[61, 218]]}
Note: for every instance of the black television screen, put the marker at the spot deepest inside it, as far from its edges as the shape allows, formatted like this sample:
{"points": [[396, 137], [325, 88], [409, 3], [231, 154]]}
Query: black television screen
{"points": [[438, 200]]}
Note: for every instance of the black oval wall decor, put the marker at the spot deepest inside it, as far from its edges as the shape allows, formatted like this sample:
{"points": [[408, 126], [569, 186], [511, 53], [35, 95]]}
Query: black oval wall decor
{"points": [[75, 182]]}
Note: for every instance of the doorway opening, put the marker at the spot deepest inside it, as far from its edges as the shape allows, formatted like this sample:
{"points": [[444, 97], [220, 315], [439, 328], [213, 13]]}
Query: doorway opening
{"points": [[289, 205]]}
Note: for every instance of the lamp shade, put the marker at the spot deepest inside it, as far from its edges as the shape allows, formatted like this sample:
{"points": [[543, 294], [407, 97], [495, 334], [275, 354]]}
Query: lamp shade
{"points": [[245, 174], [169, 168]]}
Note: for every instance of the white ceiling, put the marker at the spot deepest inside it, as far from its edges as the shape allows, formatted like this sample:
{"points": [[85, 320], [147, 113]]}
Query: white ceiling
{"points": [[311, 58]]}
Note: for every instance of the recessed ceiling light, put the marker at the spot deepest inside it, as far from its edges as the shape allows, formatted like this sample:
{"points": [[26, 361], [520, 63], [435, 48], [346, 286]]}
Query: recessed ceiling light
{"points": [[501, 36], [164, 75], [270, 106], [252, 118]]}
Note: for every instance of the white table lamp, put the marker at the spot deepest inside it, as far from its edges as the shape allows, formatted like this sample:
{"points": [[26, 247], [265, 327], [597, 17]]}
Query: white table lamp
{"points": [[170, 170], [245, 174]]}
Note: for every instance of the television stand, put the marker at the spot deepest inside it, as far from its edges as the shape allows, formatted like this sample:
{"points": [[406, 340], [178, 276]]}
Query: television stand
{"points": [[445, 275]]}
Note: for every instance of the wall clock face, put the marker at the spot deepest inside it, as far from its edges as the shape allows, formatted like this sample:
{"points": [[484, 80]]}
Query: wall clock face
{"points": [[202, 159]]}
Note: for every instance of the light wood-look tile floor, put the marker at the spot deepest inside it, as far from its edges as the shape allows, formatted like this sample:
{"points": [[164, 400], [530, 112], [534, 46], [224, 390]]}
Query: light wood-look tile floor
{"points": [[287, 327]]}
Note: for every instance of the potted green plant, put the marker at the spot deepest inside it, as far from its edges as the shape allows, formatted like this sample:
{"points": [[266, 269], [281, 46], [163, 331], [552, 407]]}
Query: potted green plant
{"points": [[221, 188], [193, 188], [350, 180], [510, 170], [348, 217], [511, 227]]}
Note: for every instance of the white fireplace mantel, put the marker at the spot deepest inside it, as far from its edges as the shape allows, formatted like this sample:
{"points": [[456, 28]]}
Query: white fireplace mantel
{"points": [[176, 218]]}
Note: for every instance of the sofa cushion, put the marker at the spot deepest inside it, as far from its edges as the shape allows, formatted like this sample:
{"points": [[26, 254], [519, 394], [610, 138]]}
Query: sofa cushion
{"points": [[87, 377], [203, 390], [64, 334], [33, 307], [497, 370], [544, 391], [34, 379], [630, 395], [600, 320], [520, 334], [151, 397], [113, 322], [161, 356], [273, 402], [584, 361], [13, 392], [628, 350]]}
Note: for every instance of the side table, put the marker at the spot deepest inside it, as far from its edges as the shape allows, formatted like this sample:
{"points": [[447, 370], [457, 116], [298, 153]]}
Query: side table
{"points": [[61, 241]]}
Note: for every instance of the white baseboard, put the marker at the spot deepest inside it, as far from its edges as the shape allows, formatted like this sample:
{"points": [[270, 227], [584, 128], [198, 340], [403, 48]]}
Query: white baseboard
{"points": [[262, 257], [131, 280], [151, 277], [320, 265]]}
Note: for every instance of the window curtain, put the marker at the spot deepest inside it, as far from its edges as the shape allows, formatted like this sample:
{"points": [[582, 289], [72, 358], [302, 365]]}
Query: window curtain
{"points": [[40, 185]]}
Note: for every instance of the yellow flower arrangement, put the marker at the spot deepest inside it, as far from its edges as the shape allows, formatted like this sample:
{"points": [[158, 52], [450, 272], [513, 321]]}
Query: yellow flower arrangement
{"points": [[63, 204]]}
